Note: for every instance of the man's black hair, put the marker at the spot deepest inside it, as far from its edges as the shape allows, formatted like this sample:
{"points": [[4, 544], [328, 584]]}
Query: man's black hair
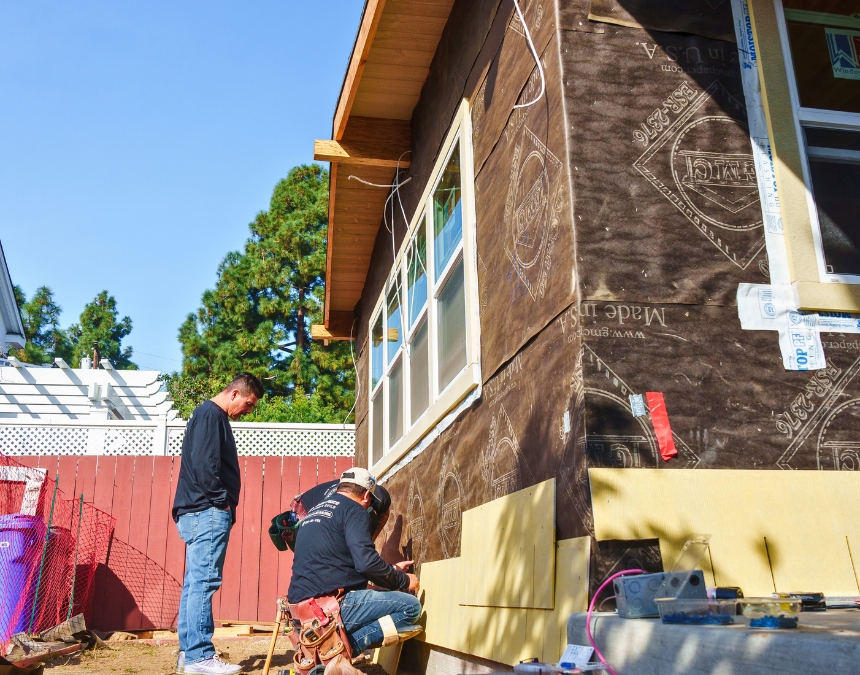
{"points": [[352, 489], [246, 384]]}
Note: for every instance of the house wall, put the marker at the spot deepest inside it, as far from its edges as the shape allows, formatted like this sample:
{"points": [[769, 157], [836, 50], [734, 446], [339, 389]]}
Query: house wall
{"points": [[631, 283]]}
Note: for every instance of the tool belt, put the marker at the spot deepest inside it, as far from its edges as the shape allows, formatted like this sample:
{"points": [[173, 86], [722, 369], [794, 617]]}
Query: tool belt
{"points": [[316, 631]]}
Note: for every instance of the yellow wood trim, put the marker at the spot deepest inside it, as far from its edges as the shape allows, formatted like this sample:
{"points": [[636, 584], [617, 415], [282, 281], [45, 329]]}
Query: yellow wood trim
{"points": [[368, 141], [360, 51], [782, 128], [828, 297]]}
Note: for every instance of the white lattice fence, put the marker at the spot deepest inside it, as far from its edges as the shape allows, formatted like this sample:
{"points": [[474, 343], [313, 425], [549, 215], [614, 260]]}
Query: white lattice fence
{"points": [[160, 438]]}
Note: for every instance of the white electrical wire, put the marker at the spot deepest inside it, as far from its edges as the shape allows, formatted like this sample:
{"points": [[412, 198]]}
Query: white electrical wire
{"points": [[357, 379], [382, 185], [534, 54]]}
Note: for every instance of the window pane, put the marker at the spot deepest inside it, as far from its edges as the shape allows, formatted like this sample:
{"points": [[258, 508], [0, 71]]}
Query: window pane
{"points": [[376, 351], [834, 164], [417, 275], [447, 214], [376, 414], [452, 327], [419, 364], [825, 47], [395, 404], [395, 325]]}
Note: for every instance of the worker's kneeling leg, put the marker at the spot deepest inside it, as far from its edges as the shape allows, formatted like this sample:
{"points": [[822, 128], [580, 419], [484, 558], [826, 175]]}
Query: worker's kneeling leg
{"points": [[361, 612]]}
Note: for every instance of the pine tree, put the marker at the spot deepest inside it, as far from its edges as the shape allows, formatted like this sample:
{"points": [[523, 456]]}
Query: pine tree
{"points": [[258, 316], [41, 318], [100, 323]]}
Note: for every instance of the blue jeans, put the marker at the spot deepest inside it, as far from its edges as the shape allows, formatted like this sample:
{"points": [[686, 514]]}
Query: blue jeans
{"points": [[205, 534], [360, 611]]}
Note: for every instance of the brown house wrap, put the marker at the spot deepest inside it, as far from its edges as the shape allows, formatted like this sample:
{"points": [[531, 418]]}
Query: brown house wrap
{"points": [[615, 219]]}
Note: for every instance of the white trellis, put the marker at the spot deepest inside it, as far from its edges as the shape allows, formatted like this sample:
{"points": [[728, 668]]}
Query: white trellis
{"points": [[157, 437]]}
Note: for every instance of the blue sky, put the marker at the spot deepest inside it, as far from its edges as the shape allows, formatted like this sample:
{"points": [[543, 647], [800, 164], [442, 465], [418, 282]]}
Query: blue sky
{"points": [[139, 139]]}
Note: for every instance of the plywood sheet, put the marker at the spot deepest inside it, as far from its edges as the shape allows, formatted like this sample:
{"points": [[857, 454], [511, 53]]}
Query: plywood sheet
{"points": [[508, 550], [770, 530]]}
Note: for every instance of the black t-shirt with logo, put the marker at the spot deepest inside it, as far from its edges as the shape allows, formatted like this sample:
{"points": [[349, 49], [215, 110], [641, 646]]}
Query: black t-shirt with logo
{"points": [[334, 550]]}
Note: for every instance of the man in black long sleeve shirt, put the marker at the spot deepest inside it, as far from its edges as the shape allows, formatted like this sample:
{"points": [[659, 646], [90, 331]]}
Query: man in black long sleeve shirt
{"points": [[204, 508], [334, 551]]}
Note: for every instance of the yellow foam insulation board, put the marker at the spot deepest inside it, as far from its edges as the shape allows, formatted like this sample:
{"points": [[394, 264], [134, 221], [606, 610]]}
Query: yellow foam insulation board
{"points": [[506, 635], [770, 530], [508, 548]]}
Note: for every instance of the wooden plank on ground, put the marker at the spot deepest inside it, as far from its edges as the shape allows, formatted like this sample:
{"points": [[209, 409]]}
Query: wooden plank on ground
{"points": [[252, 488], [156, 545], [118, 600], [233, 572], [102, 500], [269, 555], [174, 558], [138, 535]]}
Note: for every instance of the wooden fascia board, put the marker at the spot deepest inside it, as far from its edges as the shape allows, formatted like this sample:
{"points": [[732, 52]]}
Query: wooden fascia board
{"points": [[339, 327], [360, 51], [332, 185]]}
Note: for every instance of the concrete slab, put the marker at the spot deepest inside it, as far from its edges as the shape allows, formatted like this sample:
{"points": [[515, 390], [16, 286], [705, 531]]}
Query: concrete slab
{"points": [[824, 642]]}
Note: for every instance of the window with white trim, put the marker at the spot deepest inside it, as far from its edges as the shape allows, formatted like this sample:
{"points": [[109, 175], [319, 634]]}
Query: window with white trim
{"points": [[823, 64], [424, 330]]}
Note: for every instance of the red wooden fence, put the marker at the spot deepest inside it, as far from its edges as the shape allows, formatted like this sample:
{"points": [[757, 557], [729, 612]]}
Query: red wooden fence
{"points": [[139, 585]]}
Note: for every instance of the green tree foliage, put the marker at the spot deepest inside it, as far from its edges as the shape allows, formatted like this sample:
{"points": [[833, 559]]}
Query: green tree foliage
{"points": [[41, 318], [100, 322], [258, 316]]}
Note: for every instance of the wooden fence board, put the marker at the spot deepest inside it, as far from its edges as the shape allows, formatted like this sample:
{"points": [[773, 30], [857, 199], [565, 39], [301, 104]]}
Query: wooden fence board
{"points": [[103, 500], [141, 503], [232, 577], [269, 555], [156, 546], [85, 480], [117, 595], [252, 494], [174, 560], [68, 468]]}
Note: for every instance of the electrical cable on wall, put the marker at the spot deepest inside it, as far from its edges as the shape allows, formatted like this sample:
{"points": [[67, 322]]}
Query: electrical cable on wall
{"points": [[534, 54]]}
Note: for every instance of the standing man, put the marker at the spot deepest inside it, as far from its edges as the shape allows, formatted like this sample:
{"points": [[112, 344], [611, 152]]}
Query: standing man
{"points": [[204, 510], [334, 551]]}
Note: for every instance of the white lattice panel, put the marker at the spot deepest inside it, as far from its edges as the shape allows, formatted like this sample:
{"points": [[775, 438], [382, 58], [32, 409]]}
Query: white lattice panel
{"points": [[128, 442], [116, 439], [46, 440], [174, 441], [306, 442]]}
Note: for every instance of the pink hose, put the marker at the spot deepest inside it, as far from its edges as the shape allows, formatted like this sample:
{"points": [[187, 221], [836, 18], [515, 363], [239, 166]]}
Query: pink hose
{"points": [[591, 609]]}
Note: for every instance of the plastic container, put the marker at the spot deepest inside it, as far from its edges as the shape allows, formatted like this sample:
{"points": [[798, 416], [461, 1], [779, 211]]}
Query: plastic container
{"points": [[770, 612], [21, 540], [697, 612]]}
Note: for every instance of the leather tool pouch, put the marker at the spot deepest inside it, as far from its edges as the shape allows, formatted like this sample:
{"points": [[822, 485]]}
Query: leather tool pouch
{"points": [[317, 632]]}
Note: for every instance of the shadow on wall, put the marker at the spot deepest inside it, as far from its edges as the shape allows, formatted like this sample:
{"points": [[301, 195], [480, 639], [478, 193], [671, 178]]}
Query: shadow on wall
{"points": [[134, 591]]}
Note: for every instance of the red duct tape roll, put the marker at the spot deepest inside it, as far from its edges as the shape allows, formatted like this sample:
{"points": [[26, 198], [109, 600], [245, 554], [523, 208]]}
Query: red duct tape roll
{"points": [[662, 428]]}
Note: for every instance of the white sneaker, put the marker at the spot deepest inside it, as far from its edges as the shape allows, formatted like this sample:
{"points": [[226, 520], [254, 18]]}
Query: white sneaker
{"points": [[213, 666], [180, 663]]}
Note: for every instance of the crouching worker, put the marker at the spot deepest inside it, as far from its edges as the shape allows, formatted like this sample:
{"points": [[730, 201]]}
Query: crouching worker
{"points": [[335, 558]]}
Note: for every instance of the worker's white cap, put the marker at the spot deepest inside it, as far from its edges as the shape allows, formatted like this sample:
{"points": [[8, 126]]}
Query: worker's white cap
{"points": [[360, 477]]}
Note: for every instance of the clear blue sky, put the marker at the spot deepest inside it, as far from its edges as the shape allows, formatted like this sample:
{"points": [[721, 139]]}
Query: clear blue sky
{"points": [[139, 139]]}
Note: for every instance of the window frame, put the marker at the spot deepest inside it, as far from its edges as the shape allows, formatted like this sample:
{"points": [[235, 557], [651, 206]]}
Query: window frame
{"points": [[441, 401], [812, 117]]}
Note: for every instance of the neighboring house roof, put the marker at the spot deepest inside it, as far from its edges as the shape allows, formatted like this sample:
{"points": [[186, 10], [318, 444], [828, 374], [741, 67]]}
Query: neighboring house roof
{"points": [[67, 393], [10, 315], [390, 61]]}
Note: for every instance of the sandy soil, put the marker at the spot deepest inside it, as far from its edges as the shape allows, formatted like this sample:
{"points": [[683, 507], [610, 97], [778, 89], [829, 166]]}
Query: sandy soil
{"points": [[143, 659]]}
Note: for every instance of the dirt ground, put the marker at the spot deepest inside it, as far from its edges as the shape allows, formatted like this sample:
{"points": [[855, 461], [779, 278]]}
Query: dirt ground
{"points": [[143, 659]]}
